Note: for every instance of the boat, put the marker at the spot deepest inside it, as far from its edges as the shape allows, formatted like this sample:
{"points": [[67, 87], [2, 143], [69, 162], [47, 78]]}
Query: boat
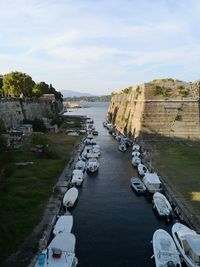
{"points": [[142, 169], [93, 155], [59, 253], [70, 197], [135, 147], [164, 249], [114, 134], [77, 177], [96, 149], [135, 154], [90, 136], [93, 141], [92, 165], [104, 124], [63, 225], [138, 185], [95, 132], [80, 165], [188, 244], [152, 182], [122, 147], [135, 161], [162, 205]]}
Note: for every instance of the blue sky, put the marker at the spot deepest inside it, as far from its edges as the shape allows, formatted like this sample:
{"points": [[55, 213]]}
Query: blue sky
{"points": [[98, 46]]}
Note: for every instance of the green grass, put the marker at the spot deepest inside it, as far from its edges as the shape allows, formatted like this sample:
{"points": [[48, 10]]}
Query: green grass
{"points": [[27, 190], [179, 163]]}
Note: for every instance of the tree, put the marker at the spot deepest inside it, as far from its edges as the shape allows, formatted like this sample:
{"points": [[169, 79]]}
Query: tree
{"points": [[16, 83]]}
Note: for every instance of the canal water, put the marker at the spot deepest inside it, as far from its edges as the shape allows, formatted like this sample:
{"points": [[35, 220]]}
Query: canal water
{"points": [[113, 226]]}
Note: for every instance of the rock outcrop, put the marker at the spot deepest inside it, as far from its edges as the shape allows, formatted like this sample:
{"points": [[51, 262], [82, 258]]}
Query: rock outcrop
{"points": [[159, 108]]}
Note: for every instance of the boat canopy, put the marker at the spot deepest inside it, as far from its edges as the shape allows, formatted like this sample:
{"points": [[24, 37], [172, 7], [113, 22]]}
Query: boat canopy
{"points": [[151, 178], [193, 242], [63, 241]]}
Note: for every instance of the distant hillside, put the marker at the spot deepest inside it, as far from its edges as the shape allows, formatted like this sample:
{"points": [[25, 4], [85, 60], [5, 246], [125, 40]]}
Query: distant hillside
{"points": [[103, 98], [70, 93]]}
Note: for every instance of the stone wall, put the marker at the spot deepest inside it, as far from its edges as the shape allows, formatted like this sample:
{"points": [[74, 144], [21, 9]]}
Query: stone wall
{"points": [[14, 111], [142, 113]]}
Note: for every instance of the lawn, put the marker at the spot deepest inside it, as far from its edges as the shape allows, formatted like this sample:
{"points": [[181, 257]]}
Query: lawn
{"points": [[179, 163], [28, 188]]}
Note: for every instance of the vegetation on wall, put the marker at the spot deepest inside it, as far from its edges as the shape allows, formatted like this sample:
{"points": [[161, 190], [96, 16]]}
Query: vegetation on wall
{"points": [[161, 90], [182, 91], [127, 90]]}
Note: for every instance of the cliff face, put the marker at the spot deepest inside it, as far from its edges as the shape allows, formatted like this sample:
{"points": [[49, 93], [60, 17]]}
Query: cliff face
{"points": [[163, 107], [13, 112]]}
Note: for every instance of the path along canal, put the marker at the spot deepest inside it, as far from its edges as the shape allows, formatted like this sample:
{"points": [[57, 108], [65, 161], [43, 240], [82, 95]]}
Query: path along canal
{"points": [[113, 226]]}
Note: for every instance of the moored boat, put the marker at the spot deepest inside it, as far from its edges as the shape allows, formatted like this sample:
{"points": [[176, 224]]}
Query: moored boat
{"points": [[188, 244], [80, 165], [122, 147], [59, 253], [164, 248], [135, 161], [63, 225], [135, 154], [92, 165], [152, 182], [138, 185], [142, 169], [70, 197], [135, 147], [162, 205]]}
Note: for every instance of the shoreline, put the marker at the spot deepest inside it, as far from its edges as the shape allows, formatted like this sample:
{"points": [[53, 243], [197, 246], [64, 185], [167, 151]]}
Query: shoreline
{"points": [[28, 251]]}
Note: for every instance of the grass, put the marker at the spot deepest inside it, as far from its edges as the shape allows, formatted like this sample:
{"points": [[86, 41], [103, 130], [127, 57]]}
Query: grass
{"points": [[28, 188], [178, 163]]}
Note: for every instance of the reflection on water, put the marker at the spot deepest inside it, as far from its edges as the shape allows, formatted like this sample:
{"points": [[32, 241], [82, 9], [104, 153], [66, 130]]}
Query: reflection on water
{"points": [[113, 226]]}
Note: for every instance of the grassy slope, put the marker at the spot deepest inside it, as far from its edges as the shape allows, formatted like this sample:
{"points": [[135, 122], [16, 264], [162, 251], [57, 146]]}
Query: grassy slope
{"points": [[179, 163], [27, 190]]}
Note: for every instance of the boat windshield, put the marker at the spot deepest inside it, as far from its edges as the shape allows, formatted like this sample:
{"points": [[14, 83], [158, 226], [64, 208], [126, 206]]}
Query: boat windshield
{"points": [[190, 253]]}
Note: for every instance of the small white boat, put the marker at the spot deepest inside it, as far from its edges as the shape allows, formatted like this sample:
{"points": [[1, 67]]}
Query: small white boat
{"points": [[59, 253], [96, 149], [135, 154], [90, 136], [63, 225], [188, 244], [114, 134], [70, 197], [164, 248], [135, 161], [122, 147], [93, 142], [93, 155], [138, 185], [104, 124], [77, 179], [82, 157], [92, 165], [135, 147], [95, 132], [152, 182], [80, 165], [142, 169], [162, 205]]}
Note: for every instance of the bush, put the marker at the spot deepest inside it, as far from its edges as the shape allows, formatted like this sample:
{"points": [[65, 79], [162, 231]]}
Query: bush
{"points": [[38, 125], [161, 90]]}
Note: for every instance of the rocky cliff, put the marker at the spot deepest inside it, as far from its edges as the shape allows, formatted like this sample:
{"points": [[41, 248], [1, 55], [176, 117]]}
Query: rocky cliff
{"points": [[159, 108], [14, 111]]}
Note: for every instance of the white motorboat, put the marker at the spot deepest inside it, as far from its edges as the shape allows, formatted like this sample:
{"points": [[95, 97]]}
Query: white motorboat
{"points": [[92, 165], [135, 161], [135, 154], [114, 134], [164, 248], [96, 149], [77, 177], [93, 155], [80, 165], [70, 197], [59, 253], [90, 136], [188, 244], [93, 142], [95, 132], [122, 147], [135, 147], [142, 169], [162, 205], [104, 124], [152, 182], [138, 185], [63, 225], [82, 157]]}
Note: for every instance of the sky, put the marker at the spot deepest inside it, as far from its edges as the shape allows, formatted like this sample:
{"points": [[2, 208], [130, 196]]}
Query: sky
{"points": [[98, 46]]}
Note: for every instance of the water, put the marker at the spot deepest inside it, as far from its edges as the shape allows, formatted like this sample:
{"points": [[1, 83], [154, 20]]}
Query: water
{"points": [[113, 226]]}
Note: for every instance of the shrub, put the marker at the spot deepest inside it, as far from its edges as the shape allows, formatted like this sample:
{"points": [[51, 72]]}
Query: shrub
{"points": [[38, 125]]}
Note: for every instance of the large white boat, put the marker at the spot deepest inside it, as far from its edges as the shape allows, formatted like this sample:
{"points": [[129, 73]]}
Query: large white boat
{"points": [[162, 205], [188, 244], [142, 169], [92, 165], [59, 253], [70, 197], [135, 161], [63, 225], [164, 248], [152, 182]]}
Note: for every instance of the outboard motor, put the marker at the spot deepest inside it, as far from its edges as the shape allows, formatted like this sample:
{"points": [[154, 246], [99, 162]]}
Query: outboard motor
{"points": [[171, 264]]}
